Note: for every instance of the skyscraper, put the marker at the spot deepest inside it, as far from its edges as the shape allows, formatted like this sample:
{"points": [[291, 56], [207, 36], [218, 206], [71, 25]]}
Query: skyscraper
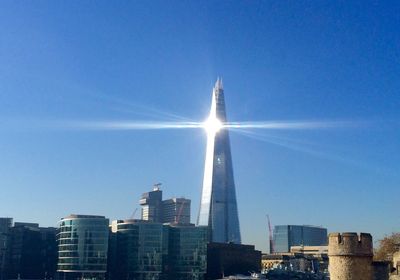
{"points": [[218, 208]]}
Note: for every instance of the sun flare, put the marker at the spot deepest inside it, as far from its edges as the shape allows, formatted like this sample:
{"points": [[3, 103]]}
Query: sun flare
{"points": [[212, 125]]}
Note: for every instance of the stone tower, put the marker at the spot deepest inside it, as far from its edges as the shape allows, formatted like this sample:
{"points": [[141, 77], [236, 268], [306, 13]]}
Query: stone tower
{"points": [[350, 256]]}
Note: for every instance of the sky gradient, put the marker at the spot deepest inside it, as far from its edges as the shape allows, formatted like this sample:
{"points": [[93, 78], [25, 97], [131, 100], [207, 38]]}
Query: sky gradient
{"points": [[74, 61]]}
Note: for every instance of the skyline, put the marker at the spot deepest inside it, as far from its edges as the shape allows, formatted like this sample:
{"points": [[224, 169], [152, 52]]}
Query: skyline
{"points": [[290, 62]]}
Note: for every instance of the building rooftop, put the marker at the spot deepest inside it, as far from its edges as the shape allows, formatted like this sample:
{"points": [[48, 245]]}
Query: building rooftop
{"points": [[76, 216]]}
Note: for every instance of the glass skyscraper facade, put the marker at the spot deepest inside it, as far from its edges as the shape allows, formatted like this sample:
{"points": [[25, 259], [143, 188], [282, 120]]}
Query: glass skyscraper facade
{"points": [[82, 247], [286, 236], [218, 207]]}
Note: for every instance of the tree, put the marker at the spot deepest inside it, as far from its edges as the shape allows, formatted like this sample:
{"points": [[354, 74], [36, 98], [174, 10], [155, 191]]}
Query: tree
{"points": [[387, 246]]}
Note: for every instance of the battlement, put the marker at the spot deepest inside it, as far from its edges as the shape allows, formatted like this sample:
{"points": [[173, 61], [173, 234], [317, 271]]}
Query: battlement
{"points": [[350, 244]]}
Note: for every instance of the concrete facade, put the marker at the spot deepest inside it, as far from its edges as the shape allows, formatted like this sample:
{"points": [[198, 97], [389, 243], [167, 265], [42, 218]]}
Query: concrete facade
{"points": [[350, 256], [396, 267]]}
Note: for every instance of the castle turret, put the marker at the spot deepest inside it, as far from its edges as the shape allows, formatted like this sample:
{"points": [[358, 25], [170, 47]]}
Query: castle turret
{"points": [[350, 256]]}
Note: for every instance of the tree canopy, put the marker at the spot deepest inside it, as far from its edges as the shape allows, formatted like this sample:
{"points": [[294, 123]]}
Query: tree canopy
{"points": [[387, 246]]}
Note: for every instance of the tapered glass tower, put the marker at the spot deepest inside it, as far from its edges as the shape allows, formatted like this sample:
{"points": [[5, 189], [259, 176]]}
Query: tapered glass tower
{"points": [[218, 208]]}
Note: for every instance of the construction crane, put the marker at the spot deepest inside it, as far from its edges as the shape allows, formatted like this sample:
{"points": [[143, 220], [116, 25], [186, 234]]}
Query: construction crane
{"points": [[271, 239], [133, 214]]}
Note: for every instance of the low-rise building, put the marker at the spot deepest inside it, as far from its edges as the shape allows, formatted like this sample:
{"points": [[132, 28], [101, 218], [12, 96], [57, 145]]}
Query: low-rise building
{"points": [[31, 252], [395, 275], [295, 262], [310, 250], [225, 259]]}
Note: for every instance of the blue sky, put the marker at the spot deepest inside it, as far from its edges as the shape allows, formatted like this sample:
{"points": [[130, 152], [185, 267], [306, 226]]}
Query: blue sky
{"points": [[140, 60]]}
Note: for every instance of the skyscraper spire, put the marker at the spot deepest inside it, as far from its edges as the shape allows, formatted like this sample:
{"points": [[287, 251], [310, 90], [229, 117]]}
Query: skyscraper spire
{"points": [[218, 84], [218, 208]]}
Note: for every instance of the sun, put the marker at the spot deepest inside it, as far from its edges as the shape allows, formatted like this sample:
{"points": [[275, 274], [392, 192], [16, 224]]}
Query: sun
{"points": [[212, 125]]}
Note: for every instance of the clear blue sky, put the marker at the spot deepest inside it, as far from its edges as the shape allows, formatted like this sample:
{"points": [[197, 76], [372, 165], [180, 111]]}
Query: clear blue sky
{"points": [[135, 60]]}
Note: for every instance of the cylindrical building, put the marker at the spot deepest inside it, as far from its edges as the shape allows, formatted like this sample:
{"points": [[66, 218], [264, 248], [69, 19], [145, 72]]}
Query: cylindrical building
{"points": [[82, 247], [350, 256]]}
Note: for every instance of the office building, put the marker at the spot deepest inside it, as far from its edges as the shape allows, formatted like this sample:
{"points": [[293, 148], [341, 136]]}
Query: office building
{"points": [[31, 252], [225, 259], [82, 247], [151, 203], [137, 249], [5, 226], [155, 209], [218, 206], [286, 236], [143, 250], [176, 210], [187, 252]]}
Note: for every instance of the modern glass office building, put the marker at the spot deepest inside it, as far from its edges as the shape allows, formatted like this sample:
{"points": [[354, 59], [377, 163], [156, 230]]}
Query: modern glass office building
{"points": [[218, 207], [143, 250], [82, 247], [137, 249], [187, 252], [5, 226], [31, 252], [286, 236]]}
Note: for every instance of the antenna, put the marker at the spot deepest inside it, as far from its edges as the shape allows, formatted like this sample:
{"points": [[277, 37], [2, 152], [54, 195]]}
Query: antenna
{"points": [[157, 186]]}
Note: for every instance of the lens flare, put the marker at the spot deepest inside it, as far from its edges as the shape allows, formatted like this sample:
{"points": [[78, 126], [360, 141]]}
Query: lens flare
{"points": [[212, 125]]}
